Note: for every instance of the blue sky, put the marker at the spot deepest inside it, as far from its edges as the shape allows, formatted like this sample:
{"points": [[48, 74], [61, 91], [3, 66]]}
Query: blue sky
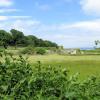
{"points": [[71, 23]]}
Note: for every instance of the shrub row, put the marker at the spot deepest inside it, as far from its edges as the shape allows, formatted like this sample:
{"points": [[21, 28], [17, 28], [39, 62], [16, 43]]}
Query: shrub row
{"points": [[32, 50]]}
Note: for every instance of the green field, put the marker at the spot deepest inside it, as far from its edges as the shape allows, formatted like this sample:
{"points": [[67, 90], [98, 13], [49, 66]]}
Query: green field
{"points": [[86, 65]]}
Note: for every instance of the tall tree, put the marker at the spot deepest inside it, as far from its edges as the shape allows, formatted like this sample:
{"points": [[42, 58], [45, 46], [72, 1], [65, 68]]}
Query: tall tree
{"points": [[31, 40], [5, 38], [17, 37]]}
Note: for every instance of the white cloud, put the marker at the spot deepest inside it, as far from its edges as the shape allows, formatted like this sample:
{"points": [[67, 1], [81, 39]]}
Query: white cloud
{"points": [[25, 26], [79, 34], [43, 7], [6, 3], [2, 18], [73, 41], [82, 27], [91, 6], [93, 25], [19, 17], [8, 10]]}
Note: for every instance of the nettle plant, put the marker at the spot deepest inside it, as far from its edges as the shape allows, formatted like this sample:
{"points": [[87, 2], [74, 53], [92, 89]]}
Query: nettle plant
{"points": [[21, 81]]}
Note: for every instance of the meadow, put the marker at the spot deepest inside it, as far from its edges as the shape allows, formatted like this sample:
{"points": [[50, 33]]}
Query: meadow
{"points": [[85, 65]]}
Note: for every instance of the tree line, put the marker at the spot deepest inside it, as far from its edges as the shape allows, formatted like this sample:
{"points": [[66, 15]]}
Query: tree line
{"points": [[17, 38]]}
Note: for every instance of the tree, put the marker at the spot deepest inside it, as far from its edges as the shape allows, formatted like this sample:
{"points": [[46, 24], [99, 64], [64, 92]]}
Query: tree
{"points": [[50, 44], [97, 42], [17, 37], [31, 40], [5, 38], [40, 51]]}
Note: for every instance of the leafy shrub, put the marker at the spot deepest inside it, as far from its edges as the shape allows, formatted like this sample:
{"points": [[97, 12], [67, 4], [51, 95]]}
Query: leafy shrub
{"points": [[32, 50], [1, 49], [40, 51], [13, 78], [28, 50], [18, 81], [78, 51]]}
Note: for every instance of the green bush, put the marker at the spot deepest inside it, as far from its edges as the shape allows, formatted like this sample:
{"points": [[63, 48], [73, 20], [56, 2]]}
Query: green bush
{"points": [[40, 51], [21, 81], [28, 50], [32, 50], [1, 49]]}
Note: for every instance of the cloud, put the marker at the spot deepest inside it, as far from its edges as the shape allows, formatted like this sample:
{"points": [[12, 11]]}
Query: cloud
{"points": [[79, 34], [20, 17], [26, 26], [5, 18], [93, 26], [73, 41], [91, 6], [6, 3], [83, 27], [43, 7], [9, 10], [2, 18]]}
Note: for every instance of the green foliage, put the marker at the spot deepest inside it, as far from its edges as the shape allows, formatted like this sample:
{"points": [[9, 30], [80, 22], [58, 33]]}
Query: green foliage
{"points": [[1, 49], [4, 38], [32, 50], [78, 51], [28, 50], [14, 75], [19, 82], [17, 38], [40, 51]]}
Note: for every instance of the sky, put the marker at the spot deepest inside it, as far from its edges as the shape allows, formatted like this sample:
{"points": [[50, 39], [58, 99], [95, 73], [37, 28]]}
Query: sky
{"points": [[71, 23]]}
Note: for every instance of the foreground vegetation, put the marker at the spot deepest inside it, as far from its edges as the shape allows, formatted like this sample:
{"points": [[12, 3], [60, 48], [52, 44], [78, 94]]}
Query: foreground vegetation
{"points": [[21, 81]]}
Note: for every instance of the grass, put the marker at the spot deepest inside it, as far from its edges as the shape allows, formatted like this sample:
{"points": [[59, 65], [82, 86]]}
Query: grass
{"points": [[93, 52], [86, 65]]}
